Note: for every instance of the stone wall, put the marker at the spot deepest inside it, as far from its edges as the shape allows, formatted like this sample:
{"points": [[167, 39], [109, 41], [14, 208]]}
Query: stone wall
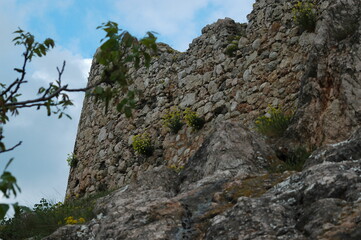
{"points": [[311, 73]]}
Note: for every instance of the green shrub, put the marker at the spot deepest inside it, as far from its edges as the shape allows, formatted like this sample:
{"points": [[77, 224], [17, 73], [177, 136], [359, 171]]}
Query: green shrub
{"points": [[304, 15], [46, 217], [142, 144], [275, 123], [72, 160], [231, 49], [176, 168], [292, 160], [193, 120], [173, 120]]}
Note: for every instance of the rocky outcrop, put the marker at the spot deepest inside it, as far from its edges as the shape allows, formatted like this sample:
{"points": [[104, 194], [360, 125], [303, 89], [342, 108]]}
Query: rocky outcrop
{"points": [[321, 202], [329, 96], [316, 74], [221, 182]]}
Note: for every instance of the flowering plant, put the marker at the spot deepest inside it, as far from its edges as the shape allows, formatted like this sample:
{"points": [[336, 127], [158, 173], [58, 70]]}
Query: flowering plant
{"points": [[142, 144], [173, 120], [304, 15], [193, 120]]}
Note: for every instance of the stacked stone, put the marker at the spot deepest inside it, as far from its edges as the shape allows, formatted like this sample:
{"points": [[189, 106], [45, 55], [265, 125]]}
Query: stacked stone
{"points": [[275, 65]]}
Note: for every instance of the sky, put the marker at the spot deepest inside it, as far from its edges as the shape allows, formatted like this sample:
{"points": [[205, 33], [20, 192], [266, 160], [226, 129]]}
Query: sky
{"points": [[40, 162]]}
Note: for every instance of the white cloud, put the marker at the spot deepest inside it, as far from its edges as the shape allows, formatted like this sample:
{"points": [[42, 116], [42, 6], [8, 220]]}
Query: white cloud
{"points": [[39, 164], [179, 21]]}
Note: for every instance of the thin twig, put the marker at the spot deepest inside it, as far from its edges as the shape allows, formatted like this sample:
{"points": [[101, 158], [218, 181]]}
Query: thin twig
{"points": [[18, 82], [10, 149]]}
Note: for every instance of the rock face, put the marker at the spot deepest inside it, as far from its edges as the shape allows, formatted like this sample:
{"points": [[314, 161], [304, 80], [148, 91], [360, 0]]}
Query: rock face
{"points": [[316, 74], [321, 202], [219, 182]]}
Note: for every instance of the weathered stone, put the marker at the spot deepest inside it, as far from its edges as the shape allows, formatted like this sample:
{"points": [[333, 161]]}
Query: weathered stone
{"points": [[256, 44], [188, 100], [316, 74], [322, 202], [231, 147]]}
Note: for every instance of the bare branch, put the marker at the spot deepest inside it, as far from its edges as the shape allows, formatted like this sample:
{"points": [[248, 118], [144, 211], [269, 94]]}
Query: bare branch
{"points": [[41, 99], [10, 149], [17, 82], [60, 72]]}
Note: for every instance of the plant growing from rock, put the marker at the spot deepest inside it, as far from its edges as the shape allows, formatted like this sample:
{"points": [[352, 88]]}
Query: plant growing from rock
{"points": [[304, 15], [47, 216], [142, 144], [176, 168], [72, 160], [173, 120], [232, 47], [193, 120], [292, 159], [274, 123]]}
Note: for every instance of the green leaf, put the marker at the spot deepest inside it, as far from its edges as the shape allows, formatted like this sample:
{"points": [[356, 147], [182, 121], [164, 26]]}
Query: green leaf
{"points": [[128, 111], [147, 59], [41, 90], [98, 90], [3, 210], [2, 146], [18, 70], [121, 105], [48, 109], [49, 43], [8, 164], [8, 184], [19, 31]]}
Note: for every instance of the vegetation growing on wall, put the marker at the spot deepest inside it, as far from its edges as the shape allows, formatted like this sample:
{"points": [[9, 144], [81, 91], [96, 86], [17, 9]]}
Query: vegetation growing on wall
{"points": [[304, 15], [173, 120], [142, 144], [193, 120], [274, 123]]}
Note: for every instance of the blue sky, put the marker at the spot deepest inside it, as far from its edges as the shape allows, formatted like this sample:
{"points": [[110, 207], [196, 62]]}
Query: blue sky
{"points": [[39, 164]]}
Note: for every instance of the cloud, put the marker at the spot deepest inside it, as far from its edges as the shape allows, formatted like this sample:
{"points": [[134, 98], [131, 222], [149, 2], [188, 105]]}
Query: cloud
{"points": [[39, 165], [178, 21]]}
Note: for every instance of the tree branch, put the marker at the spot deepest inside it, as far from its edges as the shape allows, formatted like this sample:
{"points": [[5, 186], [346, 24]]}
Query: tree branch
{"points": [[10, 149], [41, 99], [17, 82]]}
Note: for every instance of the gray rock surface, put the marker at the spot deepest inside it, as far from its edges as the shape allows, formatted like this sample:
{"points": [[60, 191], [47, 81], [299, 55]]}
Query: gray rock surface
{"points": [[226, 188], [321, 202], [229, 147]]}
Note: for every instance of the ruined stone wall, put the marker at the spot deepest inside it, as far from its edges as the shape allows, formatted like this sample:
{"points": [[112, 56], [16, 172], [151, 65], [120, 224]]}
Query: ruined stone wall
{"points": [[272, 67]]}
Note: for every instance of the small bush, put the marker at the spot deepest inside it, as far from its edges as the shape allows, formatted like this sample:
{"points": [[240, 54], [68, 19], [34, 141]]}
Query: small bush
{"points": [[176, 168], [142, 144], [304, 15], [173, 120], [292, 160], [72, 160], [193, 120], [275, 123], [231, 49], [46, 217]]}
